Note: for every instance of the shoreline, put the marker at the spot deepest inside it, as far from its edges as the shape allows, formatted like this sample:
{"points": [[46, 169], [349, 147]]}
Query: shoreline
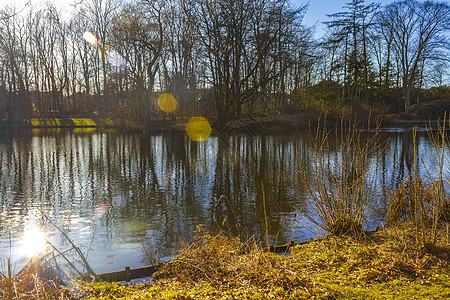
{"points": [[217, 266], [279, 123]]}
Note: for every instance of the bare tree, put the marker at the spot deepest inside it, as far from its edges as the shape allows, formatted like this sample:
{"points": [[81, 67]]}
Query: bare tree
{"points": [[350, 29], [13, 57], [138, 33], [243, 46], [101, 14], [437, 74], [418, 35]]}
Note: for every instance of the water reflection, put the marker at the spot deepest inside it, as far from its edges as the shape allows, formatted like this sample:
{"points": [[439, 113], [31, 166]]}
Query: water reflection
{"points": [[34, 240], [112, 193]]}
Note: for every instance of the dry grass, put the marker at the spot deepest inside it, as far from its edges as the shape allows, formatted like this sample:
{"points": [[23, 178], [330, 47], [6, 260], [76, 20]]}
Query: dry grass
{"points": [[400, 238], [424, 204], [34, 282], [227, 263], [415, 200]]}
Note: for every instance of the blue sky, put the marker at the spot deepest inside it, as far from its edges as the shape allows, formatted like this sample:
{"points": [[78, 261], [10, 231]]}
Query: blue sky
{"points": [[318, 9], [316, 12]]}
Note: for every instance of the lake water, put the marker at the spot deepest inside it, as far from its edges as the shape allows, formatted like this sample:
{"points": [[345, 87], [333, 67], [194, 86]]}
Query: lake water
{"points": [[115, 194]]}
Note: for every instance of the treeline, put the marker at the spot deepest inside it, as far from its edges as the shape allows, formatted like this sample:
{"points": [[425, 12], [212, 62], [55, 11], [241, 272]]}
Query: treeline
{"points": [[222, 59]]}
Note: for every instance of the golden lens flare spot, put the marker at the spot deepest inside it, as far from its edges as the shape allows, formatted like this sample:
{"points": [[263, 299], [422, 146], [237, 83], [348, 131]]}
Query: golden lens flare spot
{"points": [[198, 129], [167, 102], [90, 38]]}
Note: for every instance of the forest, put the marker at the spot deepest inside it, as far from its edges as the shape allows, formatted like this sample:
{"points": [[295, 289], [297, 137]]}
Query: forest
{"points": [[223, 60]]}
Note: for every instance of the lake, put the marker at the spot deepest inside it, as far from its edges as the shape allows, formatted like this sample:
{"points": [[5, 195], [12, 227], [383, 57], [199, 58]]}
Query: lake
{"points": [[120, 196]]}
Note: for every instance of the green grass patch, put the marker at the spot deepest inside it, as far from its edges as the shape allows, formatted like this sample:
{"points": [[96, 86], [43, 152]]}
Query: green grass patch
{"points": [[66, 122], [83, 122]]}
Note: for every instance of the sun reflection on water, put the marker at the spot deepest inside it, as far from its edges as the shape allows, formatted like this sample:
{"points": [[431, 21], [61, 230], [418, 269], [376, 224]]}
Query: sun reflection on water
{"points": [[33, 241]]}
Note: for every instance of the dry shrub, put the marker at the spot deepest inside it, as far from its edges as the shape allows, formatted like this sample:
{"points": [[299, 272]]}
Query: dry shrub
{"points": [[414, 200], [34, 281], [425, 205], [399, 241], [227, 263], [341, 185]]}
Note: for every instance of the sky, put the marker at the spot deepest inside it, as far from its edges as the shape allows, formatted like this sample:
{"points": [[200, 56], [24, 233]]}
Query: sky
{"points": [[315, 14], [318, 9]]}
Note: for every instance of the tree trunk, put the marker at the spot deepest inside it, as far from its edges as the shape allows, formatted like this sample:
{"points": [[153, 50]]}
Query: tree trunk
{"points": [[345, 69], [407, 91]]}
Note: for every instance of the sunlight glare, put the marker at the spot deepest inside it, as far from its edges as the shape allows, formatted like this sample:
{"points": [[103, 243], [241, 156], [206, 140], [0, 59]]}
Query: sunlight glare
{"points": [[115, 59], [112, 57], [101, 209], [167, 102], [33, 241], [198, 129], [90, 38]]}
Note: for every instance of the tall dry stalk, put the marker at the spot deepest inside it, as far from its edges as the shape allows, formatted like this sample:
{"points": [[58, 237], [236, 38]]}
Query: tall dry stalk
{"points": [[9, 281], [416, 193], [265, 217], [340, 181], [442, 203], [425, 203]]}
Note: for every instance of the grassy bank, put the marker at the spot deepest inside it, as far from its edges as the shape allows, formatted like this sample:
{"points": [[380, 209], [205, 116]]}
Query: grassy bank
{"points": [[381, 266]]}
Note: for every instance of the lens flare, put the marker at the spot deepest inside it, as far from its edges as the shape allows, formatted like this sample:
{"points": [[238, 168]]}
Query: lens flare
{"points": [[101, 209], [33, 241], [115, 59], [198, 129], [90, 38], [112, 57], [167, 102]]}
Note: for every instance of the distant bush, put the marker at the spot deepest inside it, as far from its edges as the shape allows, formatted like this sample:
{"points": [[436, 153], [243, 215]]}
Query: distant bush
{"points": [[314, 98], [432, 109], [389, 99], [435, 93], [327, 98]]}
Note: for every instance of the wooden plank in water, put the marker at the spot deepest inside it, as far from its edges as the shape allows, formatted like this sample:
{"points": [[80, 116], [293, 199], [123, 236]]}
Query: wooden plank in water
{"points": [[129, 274], [282, 248]]}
